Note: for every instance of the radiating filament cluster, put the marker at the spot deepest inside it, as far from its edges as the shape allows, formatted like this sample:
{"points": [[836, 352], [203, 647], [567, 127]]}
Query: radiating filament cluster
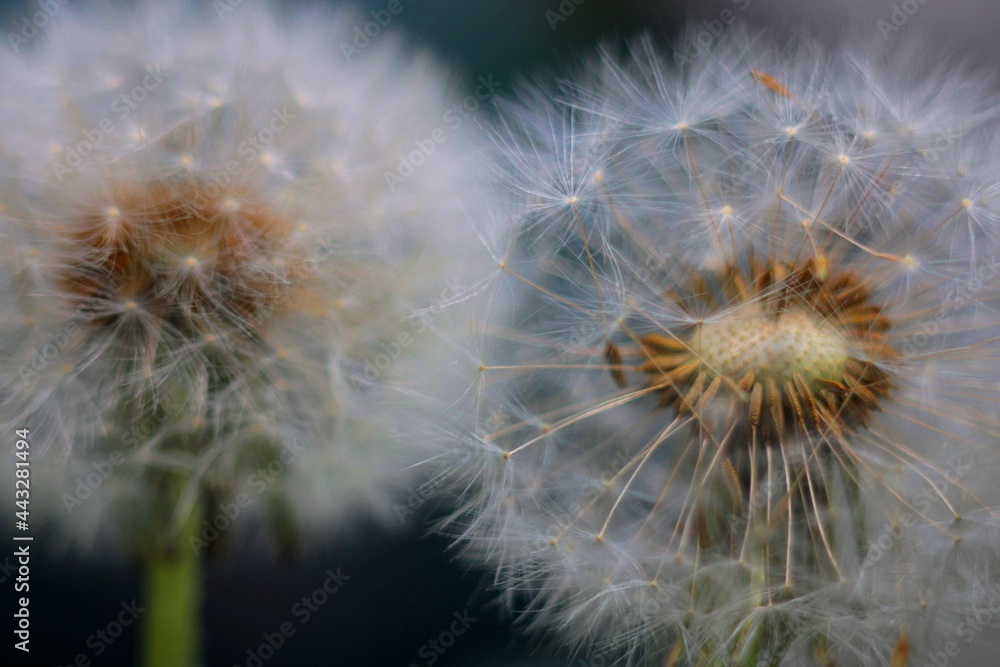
{"points": [[786, 351]]}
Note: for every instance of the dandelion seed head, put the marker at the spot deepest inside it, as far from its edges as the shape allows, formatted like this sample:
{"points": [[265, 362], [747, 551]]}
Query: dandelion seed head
{"points": [[185, 284], [737, 405]]}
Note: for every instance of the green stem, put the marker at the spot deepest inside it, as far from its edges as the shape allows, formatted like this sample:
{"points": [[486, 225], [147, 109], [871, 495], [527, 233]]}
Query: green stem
{"points": [[171, 627]]}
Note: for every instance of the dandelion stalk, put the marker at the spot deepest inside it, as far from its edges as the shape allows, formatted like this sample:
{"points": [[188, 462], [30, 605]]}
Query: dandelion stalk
{"points": [[171, 631]]}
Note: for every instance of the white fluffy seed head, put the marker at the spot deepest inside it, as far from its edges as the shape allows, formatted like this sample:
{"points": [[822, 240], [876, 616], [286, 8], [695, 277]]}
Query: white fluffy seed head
{"points": [[208, 247], [744, 409]]}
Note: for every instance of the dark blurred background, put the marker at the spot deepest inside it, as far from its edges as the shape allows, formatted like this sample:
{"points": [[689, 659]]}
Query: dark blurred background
{"points": [[405, 588]]}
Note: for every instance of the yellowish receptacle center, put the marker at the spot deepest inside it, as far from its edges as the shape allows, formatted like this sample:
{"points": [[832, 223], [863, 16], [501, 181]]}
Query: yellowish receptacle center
{"points": [[793, 343]]}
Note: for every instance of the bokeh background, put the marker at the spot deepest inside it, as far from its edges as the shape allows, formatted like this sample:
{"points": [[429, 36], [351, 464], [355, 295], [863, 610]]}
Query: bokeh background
{"points": [[405, 586]]}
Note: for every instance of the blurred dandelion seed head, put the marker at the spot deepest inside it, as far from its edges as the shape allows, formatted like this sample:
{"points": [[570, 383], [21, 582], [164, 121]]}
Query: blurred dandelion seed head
{"points": [[184, 257], [203, 255]]}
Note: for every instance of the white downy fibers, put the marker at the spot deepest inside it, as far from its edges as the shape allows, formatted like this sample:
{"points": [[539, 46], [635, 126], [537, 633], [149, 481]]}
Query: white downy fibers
{"points": [[734, 390], [204, 260]]}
